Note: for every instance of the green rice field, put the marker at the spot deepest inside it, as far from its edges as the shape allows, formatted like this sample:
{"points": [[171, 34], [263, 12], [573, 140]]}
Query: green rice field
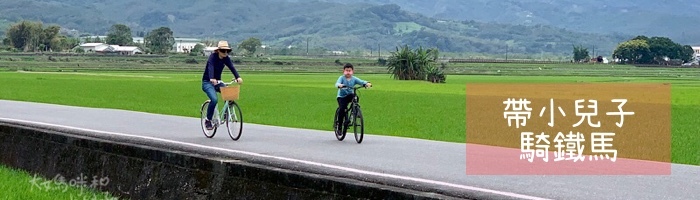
{"points": [[416, 109]]}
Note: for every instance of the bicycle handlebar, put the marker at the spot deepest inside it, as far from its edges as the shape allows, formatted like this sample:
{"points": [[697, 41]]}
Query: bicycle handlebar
{"points": [[345, 86], [227, 83]]}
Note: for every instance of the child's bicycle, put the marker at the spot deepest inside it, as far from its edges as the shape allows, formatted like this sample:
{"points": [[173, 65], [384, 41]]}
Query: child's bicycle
{"points": [[231, 113], [355, 113]]}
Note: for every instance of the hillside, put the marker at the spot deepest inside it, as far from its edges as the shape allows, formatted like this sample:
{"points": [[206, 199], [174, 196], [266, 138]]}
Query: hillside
{"points": [[330, 25], [672, 18]]}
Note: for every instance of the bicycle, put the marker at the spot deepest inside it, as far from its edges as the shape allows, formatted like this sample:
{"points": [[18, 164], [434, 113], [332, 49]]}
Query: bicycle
{"points": [[353, 112], [231, 113]]}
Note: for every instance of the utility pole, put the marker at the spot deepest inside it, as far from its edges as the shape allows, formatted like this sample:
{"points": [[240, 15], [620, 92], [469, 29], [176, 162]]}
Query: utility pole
{"points": [[307, 46], [506, 52], [379, 51]]}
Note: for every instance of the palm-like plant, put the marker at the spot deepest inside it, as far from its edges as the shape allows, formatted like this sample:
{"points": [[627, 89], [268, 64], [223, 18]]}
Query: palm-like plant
{"points": [[436, 74], [400, 63], [405, 64]]}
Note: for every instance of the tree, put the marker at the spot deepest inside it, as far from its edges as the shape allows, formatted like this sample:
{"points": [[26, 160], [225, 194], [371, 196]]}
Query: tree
{"points": [[140, 34], [87, 39], [580, 53], [197, 50], [633, 51], [119, 34], [25, 35], [98, 40], [661, 50], [686, 53], [418, 64], [402, 63], [210, 43], [250, 45], [49, 37], [160, 40], [641, 37], [29, 35], [62, 42], [436, 74]]}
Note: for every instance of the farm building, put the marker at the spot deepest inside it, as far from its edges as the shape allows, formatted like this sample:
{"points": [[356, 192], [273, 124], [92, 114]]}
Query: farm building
{"points": [[121, 50], [93, 47], [209, 50], [103, 48]]}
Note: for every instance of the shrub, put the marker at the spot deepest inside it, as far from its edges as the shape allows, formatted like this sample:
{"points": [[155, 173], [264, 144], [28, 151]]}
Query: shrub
{"points": [[418, 64]]}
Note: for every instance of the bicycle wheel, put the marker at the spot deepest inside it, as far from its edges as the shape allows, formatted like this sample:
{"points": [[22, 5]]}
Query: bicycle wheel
{"points": [[234, 120], [339, 134], [358, 125], [203, 111]]}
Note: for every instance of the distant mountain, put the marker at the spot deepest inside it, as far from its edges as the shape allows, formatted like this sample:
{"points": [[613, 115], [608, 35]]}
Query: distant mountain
{"points": [[330, 25], [676, 19]]}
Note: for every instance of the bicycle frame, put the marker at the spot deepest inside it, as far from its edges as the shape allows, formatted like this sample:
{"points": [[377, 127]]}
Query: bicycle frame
{"points": [[218, 115], [354, 104]]}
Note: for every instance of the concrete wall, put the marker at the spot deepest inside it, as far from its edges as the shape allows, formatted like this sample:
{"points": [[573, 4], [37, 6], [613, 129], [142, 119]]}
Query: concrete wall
{"points": [[139, 168]]}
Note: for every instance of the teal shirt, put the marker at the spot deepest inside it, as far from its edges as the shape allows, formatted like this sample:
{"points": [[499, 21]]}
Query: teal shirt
{"points": [[351, 83]]}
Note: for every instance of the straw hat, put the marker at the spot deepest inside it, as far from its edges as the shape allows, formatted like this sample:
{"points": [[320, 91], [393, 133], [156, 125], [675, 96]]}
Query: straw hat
{"points": [[224, 45]]}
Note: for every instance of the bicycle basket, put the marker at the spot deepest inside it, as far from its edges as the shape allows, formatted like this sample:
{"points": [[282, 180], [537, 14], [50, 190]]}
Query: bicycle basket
{"points": [[230, 93]]}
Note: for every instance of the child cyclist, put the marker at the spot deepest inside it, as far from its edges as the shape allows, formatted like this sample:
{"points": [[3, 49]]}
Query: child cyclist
{"points": [[345, 95]]}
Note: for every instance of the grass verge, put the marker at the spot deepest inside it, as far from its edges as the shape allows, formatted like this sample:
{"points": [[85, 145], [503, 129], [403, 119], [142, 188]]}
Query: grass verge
{"points": [[17, 184]]}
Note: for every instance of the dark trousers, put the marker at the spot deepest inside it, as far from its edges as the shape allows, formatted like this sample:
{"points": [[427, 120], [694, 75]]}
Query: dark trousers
{"points": [[343, 105]]}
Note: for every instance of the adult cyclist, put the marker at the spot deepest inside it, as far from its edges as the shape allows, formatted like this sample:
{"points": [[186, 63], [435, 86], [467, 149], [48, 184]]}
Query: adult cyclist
{"points": [[212, 75]]}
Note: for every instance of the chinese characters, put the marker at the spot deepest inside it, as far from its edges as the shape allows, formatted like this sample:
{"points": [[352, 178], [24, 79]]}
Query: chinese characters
{"points": [[566, 146], [60, 184], [520, 112]]}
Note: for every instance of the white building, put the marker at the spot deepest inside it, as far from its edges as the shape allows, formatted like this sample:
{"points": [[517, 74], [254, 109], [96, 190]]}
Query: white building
{"points": [[121, 50], [93, 47], [138, 40], [128, 50], [209, 50], [338, 53], [183, 45], [696, 51], [103, 48]]}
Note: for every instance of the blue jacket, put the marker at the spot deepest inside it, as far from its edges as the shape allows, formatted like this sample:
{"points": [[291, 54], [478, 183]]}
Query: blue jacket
{"points": [[215, 67], [350, 83]]}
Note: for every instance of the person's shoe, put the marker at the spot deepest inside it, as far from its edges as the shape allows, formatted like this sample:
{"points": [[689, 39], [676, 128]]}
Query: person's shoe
{"points": [[338, 129], [208, 125]]}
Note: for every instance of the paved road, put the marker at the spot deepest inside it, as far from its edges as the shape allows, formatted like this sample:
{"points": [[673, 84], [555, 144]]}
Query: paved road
{"points": [[431, 162]]}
